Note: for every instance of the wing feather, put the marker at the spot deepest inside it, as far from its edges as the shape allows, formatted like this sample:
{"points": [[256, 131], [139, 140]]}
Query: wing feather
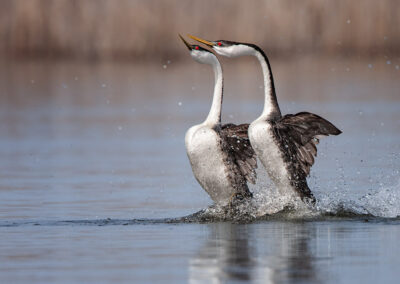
{"points": [[239, 147], [300, 133]]}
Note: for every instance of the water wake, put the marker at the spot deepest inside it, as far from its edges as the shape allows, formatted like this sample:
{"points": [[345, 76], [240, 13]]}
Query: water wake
{"points": [[381, 205]]}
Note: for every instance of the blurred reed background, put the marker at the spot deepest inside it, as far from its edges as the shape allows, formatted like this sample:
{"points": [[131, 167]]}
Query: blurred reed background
{"points": [[147, 30]]}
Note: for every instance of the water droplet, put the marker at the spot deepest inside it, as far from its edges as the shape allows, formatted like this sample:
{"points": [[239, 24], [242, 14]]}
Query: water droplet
{"points": [[388, 62], [179, 103], [370, 66], [119, 127], [76, 78], [169, 62], [164, 66], [347, 69], [348, 21], [103, 85], [360, 112], [33, 81], [397, 67], [193, 88]]}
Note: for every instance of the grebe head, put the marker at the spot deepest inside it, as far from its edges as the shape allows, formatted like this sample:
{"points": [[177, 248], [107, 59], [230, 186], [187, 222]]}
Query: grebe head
{"points": [[228, 48], [199, 53]]}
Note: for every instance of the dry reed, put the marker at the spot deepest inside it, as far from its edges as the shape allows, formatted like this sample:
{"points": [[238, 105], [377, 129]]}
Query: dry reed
{"points": [[138, 29]]}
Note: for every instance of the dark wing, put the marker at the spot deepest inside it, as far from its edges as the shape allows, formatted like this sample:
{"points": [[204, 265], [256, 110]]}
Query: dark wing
{"points": [[237, 144], [300, 134]]}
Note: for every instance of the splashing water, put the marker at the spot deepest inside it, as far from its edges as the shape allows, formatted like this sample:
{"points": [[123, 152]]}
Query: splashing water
{"points": [[383, 203], [266, 204]]}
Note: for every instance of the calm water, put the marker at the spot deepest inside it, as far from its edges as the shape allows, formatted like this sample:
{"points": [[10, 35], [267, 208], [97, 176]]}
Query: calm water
{"points": [[94, 166]]}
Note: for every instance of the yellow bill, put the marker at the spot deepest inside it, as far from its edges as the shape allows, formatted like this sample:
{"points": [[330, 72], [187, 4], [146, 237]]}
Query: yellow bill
{"points": [[209, 43]]}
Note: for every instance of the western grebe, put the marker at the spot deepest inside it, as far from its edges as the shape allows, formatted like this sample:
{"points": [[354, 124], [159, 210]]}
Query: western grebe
{"points": [[285, 145], [221, 157]]}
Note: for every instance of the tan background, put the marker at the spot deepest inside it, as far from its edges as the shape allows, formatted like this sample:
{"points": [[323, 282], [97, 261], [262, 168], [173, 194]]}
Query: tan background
{"points": [[143, 30]]}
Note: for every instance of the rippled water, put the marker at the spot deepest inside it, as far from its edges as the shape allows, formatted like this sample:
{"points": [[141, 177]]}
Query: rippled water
{"points": [[95, 179]]}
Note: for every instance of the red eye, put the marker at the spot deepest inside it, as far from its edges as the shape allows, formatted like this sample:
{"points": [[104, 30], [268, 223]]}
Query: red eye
{"points": [[219, 43], [197, 48]]}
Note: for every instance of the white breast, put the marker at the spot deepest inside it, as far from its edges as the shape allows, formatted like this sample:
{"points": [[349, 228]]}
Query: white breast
{"points": [[263, 143], [207, 160]]}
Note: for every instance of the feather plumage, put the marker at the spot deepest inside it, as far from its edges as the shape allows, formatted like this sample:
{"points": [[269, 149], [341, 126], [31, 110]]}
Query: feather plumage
{"points": [[298, 134], [237, 144]]}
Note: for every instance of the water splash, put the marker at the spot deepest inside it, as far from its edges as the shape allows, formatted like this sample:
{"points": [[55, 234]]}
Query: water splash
{"points": [[383, 203]]}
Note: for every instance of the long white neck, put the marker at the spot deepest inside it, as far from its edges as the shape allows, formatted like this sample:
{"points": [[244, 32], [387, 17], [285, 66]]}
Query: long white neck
{"points": [[271, 107], [214, 116]]}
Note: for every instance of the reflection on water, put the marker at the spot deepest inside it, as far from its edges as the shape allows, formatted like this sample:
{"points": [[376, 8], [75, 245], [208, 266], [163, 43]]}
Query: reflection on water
{"points": [[263, 252], [225, 255], [295, 253], [232, 253]]}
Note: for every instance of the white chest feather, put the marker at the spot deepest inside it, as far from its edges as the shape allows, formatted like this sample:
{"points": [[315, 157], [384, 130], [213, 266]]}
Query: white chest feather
{"points": [[262, 140], [208, 165]]}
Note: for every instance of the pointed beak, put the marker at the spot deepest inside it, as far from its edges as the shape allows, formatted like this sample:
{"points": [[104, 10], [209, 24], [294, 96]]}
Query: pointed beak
{"points": [[186, 43], [209, 43]]}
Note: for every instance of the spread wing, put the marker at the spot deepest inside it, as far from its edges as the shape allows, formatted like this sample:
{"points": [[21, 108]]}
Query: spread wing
{"points": [[238, 145], [299, 134]]}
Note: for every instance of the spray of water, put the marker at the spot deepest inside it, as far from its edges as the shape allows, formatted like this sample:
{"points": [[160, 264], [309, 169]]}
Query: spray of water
{"points": [[267, 203], [383, 202]]}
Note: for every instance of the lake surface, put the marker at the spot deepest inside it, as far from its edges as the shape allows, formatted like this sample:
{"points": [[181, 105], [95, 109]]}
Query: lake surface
{"points": [[95, 179]]}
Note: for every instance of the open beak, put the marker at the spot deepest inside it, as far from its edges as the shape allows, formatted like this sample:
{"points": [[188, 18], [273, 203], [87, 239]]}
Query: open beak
{"points": [[186, 43], [209, 43]]}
